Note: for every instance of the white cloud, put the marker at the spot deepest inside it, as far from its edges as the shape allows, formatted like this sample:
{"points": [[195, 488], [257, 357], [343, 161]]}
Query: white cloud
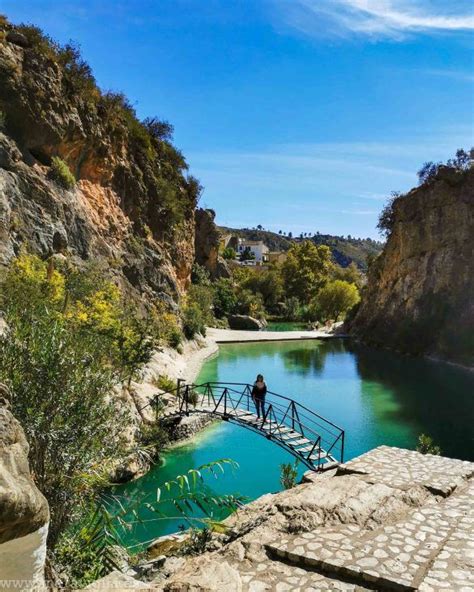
{"points": [[376, 18]]}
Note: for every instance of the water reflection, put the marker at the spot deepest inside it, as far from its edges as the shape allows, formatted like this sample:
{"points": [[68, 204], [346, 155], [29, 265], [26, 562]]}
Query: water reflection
{"points": [[430, 397], [311, 358]]}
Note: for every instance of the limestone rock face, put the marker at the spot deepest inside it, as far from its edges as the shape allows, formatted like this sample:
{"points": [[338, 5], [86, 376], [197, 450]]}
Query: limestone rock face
{"points": [[24, 512], [23, 509], [117, 212], [420, 293], [206, 244]]}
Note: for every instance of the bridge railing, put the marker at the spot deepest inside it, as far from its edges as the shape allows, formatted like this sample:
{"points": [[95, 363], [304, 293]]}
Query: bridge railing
{"points": [[230, 399]]}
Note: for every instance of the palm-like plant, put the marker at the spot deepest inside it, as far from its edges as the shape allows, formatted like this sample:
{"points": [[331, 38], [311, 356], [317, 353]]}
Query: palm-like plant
{"points": [[96, 547]]}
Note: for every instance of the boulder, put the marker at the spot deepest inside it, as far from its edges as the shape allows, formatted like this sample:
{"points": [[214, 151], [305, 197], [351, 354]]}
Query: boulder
{"points": [[246, 323], [204, 575], [117, 580], [24, 512]]}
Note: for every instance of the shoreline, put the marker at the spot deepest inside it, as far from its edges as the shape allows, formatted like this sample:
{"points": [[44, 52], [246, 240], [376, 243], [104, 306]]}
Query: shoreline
{"points": [[241, 336]]}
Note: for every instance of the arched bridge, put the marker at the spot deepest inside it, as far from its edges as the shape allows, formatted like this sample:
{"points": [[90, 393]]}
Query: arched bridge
{"points": [[314, 440]]}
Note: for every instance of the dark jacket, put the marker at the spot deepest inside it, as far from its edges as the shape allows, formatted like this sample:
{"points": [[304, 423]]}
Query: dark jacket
{"points": [[259, 393]]}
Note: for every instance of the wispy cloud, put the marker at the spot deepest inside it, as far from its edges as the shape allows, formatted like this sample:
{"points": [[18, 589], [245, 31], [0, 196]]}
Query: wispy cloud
{"points": [[453, 74], [376, 18]]}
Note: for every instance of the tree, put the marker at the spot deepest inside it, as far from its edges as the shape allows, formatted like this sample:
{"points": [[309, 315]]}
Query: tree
{"points": [[268, 284], [229, 254], [247, 255], [350, 274], [279, 232], [335, 299], [70, 341], [428, 172], [387, 215], [225, 299], [306, 269], [259, 227], [290, 235]]}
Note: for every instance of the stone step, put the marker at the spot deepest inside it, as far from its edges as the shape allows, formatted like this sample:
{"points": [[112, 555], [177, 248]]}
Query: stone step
{"points": [[393, 557]]}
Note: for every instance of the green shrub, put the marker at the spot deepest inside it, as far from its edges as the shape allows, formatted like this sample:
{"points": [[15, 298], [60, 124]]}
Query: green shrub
{"points": [[70, 341], [164, 383], [427, 446], [229, 254], [224, 299], [2, 120], [61, 174], [174, 337], [334, 300], [289, 474], [199, 539], [193, 321]]}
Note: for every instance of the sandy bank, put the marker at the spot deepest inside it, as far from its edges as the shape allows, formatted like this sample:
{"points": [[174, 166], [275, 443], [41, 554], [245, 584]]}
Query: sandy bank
{"points": [[236, 336]]}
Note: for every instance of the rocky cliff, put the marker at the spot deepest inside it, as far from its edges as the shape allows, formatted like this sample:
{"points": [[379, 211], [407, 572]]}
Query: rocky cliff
{"points": [[131, 204], [206, 244], [420, 293]]}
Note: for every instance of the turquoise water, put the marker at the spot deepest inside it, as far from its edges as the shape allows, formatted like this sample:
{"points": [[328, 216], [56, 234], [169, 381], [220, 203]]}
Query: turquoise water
{"points": [[376, 396]]}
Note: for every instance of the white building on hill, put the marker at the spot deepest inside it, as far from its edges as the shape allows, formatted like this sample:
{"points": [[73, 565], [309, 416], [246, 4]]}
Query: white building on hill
{"points": [[258, 248]]}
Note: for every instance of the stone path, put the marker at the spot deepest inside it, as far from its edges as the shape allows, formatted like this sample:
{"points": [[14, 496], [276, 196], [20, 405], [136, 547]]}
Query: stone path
{"points": [[432, 548], [391, 519]]}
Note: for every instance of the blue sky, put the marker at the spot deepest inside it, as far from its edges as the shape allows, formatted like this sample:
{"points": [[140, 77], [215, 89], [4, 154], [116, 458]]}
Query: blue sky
{"points": [[299, 115]]}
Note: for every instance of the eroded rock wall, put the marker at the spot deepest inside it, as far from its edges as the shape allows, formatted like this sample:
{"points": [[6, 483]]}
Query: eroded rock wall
{"points": [[206, 244], [420, 293], [132, 211]]}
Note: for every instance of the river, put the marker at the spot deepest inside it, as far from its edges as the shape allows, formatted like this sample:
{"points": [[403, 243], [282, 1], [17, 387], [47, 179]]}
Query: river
{"points": [[376, 396]]}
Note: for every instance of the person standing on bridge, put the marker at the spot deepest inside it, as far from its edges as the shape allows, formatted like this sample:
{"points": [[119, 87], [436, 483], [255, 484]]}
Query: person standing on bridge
{"points": [[259, 391]]}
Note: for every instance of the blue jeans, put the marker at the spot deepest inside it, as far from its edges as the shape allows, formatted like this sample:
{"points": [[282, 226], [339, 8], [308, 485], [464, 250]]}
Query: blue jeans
{"points": [[260, 405]]}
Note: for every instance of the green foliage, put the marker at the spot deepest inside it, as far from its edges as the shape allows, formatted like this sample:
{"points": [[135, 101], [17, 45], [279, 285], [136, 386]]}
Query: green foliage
{"points": [[198, 541], [193, 321], [335, 299], [249, 303], [225, 298], [350, 274], [292, 308], [69, 342], [247, 255], [94, 547], [2, 120], [197, 312], [153, 438], [306, 270], [164, 383], [91, 550], [200, 275], [229, 254], [269, 284], [289, 474], [427, 446], [387, 215], [60, 173]]}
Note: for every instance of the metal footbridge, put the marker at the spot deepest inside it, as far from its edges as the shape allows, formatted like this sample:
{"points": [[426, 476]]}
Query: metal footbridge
{"points": [[315, 441]]}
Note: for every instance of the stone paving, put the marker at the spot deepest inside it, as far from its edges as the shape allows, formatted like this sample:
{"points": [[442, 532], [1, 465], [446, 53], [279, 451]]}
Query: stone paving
{"points": [[430, 549], [401, 468], [391, 519]]}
